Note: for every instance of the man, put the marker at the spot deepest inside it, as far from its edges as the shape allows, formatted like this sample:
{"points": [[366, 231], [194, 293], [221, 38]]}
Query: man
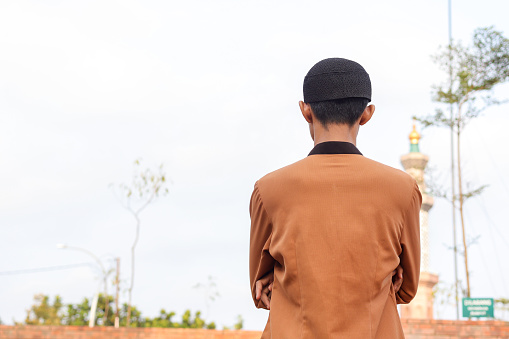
{"points": [[329, 231]]}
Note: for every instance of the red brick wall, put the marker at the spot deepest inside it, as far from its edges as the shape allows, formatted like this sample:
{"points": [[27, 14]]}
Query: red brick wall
{"points": [[442, 329], [83, 332], [414, 329]]}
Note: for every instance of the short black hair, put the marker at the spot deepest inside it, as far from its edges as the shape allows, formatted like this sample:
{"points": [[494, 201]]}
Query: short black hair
{"points": [[341, 111]]}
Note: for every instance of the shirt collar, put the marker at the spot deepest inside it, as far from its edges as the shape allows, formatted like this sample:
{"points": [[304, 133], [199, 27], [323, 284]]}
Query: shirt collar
{"points": [[335, 147]]}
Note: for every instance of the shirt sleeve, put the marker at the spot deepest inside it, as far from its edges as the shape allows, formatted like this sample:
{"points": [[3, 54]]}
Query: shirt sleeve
{"points": [[260, 260], [410, 257]]}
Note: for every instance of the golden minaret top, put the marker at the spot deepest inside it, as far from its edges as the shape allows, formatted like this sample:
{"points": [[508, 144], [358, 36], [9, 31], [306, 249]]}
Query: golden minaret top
{"points": [[414, 140]]}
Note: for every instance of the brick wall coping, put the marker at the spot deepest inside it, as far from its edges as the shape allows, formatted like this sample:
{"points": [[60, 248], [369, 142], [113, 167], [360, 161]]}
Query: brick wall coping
{"points": [[428, 329], [413, 328], [455, 322], [85, 332]]}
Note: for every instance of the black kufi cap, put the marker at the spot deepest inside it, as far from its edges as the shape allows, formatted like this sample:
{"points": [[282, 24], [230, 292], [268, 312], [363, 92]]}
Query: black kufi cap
{"points": [[336, 78]]}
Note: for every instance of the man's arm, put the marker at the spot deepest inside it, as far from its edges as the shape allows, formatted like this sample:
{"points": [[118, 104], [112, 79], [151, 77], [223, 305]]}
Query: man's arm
{"points": [[260, 260], [410, 258]]}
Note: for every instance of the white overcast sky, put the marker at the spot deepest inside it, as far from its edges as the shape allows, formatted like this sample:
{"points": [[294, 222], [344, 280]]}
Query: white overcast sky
{"points": [[210, 89]]}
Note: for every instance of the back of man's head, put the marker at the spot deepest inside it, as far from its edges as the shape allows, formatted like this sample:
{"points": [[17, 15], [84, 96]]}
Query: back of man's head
{"points": [[338, 90]]}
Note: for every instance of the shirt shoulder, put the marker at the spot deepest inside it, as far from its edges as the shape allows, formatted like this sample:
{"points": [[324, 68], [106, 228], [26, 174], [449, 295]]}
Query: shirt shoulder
{"points": [[391, 178], [356, 169], [283, 175], [388, 171]]}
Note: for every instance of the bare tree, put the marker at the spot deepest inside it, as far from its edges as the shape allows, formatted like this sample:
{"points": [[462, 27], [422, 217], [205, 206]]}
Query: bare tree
{"points": [[210, 292], [147, 185]]}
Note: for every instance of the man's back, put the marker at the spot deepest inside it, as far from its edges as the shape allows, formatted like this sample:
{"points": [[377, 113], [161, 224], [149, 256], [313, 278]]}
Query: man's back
{"points": [[334, 227]]}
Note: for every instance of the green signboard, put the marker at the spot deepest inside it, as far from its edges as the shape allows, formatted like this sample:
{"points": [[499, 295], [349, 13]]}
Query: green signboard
{"points": [[478, 307]]}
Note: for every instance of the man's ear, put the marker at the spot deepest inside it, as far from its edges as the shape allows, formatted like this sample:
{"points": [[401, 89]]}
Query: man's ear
{"points": [[367, 114], [307, 113]]}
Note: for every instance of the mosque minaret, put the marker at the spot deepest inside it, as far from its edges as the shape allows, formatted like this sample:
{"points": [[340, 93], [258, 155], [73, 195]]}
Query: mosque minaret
{"points": [[414, 164]]}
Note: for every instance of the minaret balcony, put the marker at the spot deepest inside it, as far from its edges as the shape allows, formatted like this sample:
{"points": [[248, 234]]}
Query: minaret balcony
{"points": [[414, 160]]}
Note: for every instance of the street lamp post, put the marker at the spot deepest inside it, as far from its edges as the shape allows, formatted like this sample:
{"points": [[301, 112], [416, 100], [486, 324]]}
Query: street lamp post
{"points": [[453, 182], [93, 309]]}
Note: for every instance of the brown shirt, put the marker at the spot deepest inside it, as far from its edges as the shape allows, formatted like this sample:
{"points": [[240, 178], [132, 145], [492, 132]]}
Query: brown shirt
{"points": [[333, 227]]}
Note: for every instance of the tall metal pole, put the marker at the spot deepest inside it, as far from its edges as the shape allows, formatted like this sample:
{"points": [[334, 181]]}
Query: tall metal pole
{"points": [[117, 283], [453, 181], [93, 309]]}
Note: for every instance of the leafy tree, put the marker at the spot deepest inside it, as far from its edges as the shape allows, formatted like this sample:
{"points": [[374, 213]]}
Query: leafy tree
{"points": [[163, 320], [474, 71], [146, 186], [79, 314], [43, 312], [239, 324], [196, 322], [130, 316], [105, 315], [104, 275]]}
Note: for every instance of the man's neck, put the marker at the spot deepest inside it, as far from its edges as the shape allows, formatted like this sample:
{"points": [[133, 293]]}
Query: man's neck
{"points": [[335, 132]]}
